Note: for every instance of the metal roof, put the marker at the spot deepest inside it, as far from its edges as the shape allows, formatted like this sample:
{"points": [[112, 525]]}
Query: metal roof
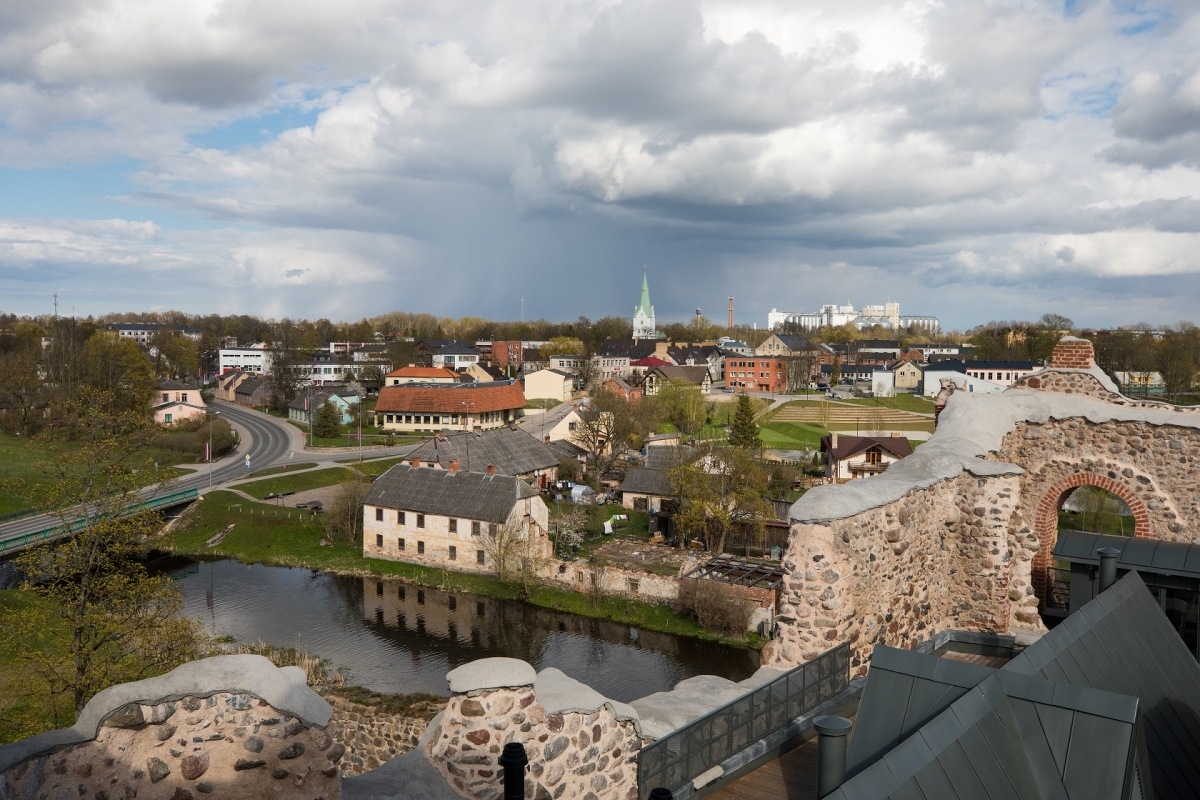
{"points": [[471, 495], [1151, 555], [739, 572]]}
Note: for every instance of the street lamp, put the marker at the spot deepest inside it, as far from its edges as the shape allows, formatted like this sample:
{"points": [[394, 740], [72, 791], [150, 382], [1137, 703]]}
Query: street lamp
{"points": [[215, 414]]}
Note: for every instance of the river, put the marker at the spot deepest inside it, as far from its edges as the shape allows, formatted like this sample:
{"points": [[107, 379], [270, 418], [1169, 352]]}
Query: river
{"points": [[393, 637]]}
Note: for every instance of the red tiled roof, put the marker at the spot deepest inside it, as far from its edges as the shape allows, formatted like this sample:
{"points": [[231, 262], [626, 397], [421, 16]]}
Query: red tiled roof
{"points": [[449, 398], [423, 372], [650, 361]]}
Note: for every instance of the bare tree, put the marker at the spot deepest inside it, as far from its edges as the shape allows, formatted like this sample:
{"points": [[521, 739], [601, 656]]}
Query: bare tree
{"points": [[342, 520]]}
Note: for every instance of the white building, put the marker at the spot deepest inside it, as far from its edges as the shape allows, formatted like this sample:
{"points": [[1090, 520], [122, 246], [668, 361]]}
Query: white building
{"points": [[255, 359], [834, 316], [643, 314]]}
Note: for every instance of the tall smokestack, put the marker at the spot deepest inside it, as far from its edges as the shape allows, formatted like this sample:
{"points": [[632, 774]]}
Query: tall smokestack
{"points": [[731, 313]]}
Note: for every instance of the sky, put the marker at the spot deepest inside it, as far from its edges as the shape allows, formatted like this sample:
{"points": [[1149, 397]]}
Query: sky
{"points": [[974, 160]]}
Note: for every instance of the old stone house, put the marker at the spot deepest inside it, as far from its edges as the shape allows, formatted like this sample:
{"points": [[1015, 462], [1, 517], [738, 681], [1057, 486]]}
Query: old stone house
{"points": [[451, 518]]}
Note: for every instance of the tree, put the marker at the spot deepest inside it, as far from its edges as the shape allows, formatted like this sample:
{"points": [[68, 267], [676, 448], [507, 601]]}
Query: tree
{"points": [[22, 384], [119, 369], [327, 422], [342, 519], [744, 430], [516, 553], [683, 404], [121, 624], [603, 429]]}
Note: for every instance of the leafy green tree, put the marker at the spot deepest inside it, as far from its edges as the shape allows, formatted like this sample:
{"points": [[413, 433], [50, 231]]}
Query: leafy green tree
{"points": [[118, 622], [327, 421], [119, 369], [744, 430]]}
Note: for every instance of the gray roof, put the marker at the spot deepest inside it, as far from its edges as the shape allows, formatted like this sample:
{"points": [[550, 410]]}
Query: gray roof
{"points": [[512, 451], [639, 480], [1151, 555], [1106, 702], [470, 495], [663, 457]]}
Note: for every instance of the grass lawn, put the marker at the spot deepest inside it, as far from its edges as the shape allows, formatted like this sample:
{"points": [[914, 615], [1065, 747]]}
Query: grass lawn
{"points": [[266, 534], [377, 467], [902, 402], [22, 713], [791, 435], [297, 482]]}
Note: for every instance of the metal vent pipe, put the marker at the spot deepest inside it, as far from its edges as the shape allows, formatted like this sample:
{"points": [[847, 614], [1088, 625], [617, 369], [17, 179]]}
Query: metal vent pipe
{"points": [[1108, 566], [513, 759], [831, 753]]}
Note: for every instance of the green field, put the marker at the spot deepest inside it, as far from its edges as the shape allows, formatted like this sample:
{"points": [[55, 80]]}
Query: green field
{"points": [[297, 482], [903, 402], [791, 435]]}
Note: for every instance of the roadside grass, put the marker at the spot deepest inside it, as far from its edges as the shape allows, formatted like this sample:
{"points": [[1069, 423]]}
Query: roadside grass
{"points": [[266, 534], [901, 402], [377, 467], [298, 482], [791, 435], [286, 468]]}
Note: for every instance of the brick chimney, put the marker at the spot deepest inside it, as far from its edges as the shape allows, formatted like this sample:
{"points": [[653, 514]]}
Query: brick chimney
{"points": [[491, 469], [415, 461], [833, 440], [453, 468], [1072, 353], [546, 439]]}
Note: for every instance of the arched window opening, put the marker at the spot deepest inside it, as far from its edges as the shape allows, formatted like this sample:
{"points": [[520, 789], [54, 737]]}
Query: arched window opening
{"points": [[1094, 510]]}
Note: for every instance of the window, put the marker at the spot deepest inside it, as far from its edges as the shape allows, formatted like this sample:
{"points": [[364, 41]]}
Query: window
{"points": [[454, 526], [493, 529], [165, 397], [420, 548], [167, 419], [874, 456], [399, 517], [379, 540], [379, 515], [400, 544], [453, 553], [475, 528], [479, 557], [184, 397], [420, 520], [633, 585]]}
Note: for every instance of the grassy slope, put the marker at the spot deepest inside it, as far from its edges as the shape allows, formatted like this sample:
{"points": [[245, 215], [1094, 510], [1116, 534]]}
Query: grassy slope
{"points": [[791, 435], [297, 482]]}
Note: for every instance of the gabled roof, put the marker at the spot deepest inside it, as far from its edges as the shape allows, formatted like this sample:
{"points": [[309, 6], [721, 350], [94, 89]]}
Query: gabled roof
{"points": [[631, 348], [695, 374], [176, 386], [470, 495], [852, 445], [451, 398], [640, 480], [457, 349], [512, 451], [423, 372], [650, 361]]}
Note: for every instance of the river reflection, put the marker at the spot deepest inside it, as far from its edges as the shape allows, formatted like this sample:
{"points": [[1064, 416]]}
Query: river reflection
{"points": [[394, 637]]}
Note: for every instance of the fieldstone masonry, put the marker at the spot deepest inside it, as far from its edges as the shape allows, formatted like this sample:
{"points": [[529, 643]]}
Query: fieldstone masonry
{"points": [[371, 737], [194, 743], [959, 535], [580, 745]]}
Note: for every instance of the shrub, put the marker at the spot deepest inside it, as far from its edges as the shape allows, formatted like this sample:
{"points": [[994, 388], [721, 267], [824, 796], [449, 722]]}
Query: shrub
{"points": [[716, 609]]}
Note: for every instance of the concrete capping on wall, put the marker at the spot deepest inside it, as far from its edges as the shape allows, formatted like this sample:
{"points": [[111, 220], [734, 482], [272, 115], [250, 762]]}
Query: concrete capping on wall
{"points": [[283, 688], [559, 693], [485, 674], [971, 427]]}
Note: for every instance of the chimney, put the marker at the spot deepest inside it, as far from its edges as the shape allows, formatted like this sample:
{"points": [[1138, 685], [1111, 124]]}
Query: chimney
{"points": [[546, 439], [895, 434], [491, 469], [441, 436], [453, 468], [512, 424], [831, 753], [416, 461], [1108, 566], [833, 440]]}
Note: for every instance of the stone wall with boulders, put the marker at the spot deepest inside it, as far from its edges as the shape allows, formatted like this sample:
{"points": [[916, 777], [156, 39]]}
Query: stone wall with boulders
{"points": [[580, 746], [178, 745], [960, 534], [371, 737]]}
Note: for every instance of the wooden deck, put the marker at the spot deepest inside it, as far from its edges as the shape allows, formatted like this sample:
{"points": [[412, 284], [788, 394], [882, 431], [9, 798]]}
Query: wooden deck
{"points": [[792, 776]]}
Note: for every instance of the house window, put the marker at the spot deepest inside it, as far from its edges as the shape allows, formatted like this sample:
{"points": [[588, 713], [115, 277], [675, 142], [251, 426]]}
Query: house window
{"points": [[379, 515], [493, 529], [420, 520], [633, 585], [478, 556], [167, 419], [184, 398], [420, 548], [165, 397], [400, 544], [379, 540], [454, 526], [571, 426], [453, 553], [399, 517], [874, 457], [474, 527]]}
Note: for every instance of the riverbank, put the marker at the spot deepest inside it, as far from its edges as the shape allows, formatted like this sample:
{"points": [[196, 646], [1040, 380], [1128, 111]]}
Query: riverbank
{"points": [[281, 536]]}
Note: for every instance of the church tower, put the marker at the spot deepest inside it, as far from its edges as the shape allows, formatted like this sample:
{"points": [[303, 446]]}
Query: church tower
{"points": [[643, 314]]}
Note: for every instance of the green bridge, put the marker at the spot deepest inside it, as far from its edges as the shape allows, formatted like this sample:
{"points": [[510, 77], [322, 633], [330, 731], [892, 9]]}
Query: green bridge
{"points": [[59, 529]]}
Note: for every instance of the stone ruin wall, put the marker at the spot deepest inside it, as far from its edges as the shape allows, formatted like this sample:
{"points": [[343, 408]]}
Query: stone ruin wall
{"points": [[572, 755], [222, 746], [882, 576], [371, 737]]}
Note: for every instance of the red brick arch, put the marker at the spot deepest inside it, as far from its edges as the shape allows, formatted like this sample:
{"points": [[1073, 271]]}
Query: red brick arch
{"points": [[1046, 518]]}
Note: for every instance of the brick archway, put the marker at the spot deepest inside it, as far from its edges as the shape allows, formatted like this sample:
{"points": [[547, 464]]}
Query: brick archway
{"points": [[1046, 518]]}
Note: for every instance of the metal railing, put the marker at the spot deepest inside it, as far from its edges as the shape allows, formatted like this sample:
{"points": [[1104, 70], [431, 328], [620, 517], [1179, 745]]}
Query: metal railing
{"points": [[682, 755], [59, 529]]}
